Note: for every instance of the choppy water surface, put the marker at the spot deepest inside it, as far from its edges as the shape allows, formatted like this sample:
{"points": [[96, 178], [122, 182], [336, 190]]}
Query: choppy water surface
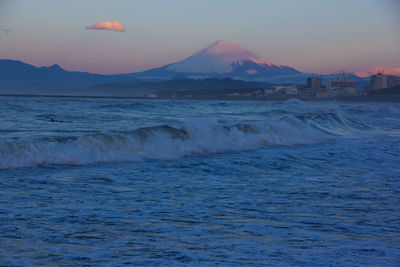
{"points": [[122, 181]]}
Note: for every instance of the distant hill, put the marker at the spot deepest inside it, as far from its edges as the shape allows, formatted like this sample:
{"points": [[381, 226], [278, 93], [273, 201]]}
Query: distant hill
{"points": [[146, 88], [17, 73]]}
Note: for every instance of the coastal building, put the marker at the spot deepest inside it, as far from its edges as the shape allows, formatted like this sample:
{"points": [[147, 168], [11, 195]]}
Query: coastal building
{"points": [[314, 82], [286, 90], [269, 91], [340, 82], [341, 87], [381, 81], [334, 88], [291, 91], [314, 86], [306, 92]]}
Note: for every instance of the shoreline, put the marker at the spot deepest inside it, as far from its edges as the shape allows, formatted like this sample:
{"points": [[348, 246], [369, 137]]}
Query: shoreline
{"points": [[364, 98]]}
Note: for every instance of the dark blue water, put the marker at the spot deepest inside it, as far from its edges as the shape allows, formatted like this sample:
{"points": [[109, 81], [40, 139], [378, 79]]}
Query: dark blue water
{"points": [[198, 183]]}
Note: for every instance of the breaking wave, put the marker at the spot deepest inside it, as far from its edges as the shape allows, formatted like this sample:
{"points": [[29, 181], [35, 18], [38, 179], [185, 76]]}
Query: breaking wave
{"points": [[336, 123], [158, 142]]}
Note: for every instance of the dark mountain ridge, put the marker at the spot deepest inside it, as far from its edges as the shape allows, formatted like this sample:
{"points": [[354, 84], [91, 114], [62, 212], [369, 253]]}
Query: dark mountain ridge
{"points": [[17, 73]]}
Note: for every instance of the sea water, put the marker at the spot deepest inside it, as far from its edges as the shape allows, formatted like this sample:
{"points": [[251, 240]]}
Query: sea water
{"points": [[109, 182]]}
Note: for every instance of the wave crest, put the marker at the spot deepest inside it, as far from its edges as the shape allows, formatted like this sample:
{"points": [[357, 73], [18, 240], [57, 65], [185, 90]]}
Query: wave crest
{"points": [[157, 142]]}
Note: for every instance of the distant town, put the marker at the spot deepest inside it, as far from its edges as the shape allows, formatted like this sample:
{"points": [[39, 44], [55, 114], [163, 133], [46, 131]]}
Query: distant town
{"points": [[340, 87], [380, 84]]}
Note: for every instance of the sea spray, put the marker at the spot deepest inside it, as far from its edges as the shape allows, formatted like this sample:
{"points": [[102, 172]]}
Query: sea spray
{"points": [[201, 137]]}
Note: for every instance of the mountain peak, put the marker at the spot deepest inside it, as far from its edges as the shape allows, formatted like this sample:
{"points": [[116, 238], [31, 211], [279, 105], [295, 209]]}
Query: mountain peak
{"points": [[223, 47], [219, 57], [56, 67]]}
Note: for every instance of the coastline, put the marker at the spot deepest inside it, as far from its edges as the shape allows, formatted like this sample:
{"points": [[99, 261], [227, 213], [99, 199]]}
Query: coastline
{"points": [[364, 98]]}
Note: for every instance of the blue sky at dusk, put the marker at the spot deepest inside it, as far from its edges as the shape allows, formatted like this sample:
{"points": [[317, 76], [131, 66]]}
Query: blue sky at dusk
{"points": [[312, 35]]}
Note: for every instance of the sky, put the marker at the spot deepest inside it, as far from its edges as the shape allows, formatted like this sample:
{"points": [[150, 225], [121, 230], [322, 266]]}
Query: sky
{"points": [[316, 36]]}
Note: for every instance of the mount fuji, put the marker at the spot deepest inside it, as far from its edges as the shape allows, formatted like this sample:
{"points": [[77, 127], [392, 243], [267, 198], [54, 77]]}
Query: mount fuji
{"points": [[221, 59]]}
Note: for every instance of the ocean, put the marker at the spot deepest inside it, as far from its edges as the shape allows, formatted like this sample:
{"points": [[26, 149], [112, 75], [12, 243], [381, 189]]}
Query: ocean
{"points": [[113, 182]]}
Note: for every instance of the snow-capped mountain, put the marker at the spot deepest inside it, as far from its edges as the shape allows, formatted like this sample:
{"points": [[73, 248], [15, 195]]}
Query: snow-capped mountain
{"points": [[221, 59]]}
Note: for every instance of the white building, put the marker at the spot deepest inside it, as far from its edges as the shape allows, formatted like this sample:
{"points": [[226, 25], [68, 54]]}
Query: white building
{"points": [[341, 87], [380, 81], [340, 82], [286, 90]]}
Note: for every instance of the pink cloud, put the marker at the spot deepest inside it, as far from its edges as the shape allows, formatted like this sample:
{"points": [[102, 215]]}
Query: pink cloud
{"points": [[108, 25], [385, 69]]}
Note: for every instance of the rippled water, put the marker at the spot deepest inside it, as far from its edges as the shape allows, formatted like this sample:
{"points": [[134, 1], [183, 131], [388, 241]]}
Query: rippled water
{"points": [[122, 181]]}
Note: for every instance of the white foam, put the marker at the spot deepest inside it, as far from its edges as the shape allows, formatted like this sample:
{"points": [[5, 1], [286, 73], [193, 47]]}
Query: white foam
{"points": [[163, 142]]}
